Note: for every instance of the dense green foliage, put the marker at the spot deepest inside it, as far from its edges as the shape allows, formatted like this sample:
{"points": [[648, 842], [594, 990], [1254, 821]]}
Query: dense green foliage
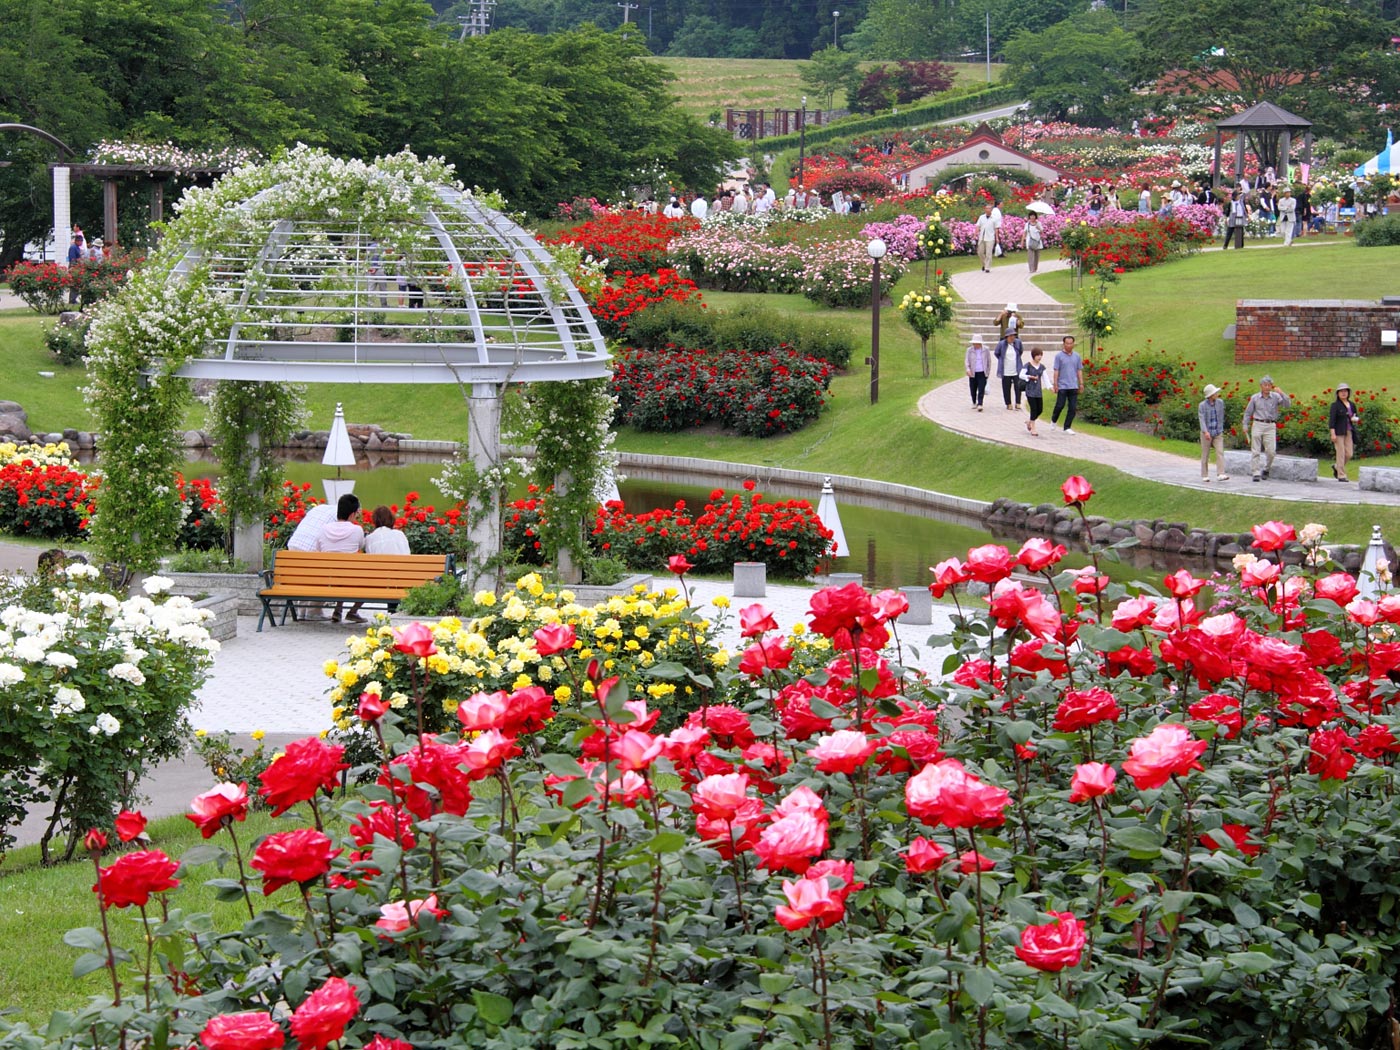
{"points": [[541, 119]]}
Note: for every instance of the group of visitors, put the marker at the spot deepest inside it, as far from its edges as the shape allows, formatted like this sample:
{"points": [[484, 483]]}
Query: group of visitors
{"points": [[336, 531], [1260, 422], [1025, 375]]}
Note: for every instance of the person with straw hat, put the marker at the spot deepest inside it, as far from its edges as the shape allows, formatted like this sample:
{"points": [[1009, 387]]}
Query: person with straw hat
{"points": [[1211, 413]]}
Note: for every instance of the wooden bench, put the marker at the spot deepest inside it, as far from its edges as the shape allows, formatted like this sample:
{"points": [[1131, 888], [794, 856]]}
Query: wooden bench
{"points": [[301, 576]]}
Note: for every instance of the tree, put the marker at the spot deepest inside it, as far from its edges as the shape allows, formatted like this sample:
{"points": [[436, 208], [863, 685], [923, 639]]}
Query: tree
{"points": [[703, 37], [1080, 68], [1332, 54], [829, 70], [905, 29]]}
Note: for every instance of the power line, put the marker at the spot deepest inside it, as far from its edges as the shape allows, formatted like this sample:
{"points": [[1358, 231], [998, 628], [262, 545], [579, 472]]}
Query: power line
{"points": [[478, 22]]}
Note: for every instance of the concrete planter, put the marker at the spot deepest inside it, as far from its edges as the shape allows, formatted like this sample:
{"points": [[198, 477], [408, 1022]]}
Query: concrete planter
{"points": [[224, 625], [592, 594], [242, 586]]}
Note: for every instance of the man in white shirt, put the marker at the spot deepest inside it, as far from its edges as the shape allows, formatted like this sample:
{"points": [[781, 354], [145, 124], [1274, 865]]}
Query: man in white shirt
{"points": [[308, 530], [741, 203], [699, 207], [987, 227], [761, 202], [769, 195]]}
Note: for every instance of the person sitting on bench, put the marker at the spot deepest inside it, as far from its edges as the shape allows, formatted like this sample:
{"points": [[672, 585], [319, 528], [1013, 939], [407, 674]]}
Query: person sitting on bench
{"points": [[344, 536]]}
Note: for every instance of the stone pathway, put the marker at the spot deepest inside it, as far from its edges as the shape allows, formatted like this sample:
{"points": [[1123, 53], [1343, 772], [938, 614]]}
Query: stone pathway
{"points": [[948, 407]]}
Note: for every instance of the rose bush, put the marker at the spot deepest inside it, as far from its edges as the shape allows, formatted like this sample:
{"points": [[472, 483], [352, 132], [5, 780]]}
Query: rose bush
{"points": [[93, 692], [751, 877]]}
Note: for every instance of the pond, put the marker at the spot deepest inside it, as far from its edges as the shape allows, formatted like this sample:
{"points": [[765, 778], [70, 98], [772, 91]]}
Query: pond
{"points": [[888, 548]]}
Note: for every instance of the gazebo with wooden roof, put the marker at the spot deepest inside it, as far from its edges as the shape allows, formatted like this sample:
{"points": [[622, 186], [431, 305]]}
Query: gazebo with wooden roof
{"points": [[1268, 130]]}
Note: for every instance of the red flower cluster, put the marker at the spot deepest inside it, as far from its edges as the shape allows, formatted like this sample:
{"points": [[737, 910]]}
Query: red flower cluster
{"points": [[628, 240], [52, 502], [615, 303]]}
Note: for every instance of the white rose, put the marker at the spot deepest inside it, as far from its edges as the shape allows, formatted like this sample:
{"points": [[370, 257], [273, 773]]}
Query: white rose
{"points": [[107, 724], [157, 584], [127, 673], [10, 674], [30, 650], [57, 659]]}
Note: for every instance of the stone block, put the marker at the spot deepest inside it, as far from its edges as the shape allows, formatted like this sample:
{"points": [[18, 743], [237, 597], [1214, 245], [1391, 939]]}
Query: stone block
{"points": [[1285, 468], [1379, 479], [750, 579], [841, 579]]}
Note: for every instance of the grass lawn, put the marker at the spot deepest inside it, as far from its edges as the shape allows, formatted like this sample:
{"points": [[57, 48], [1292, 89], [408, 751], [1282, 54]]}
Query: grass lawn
{"points": [[704, 85], [38, 905]]}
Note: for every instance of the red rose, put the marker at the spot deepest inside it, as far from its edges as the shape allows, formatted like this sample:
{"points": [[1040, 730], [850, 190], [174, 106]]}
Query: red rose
{"points": [[304, 768], [728, 726], [95, 841], [415, 640], [323, 1015], [1329, 756], [1237, 834], [989, 563], [130, 824], [1076, 489], [372, 707], [808, 901], [846, 608], [946, 575], [1273, 535], [1376, 740], [1038, 554], [1082, 708], [1224, 711], [1090, 780], [843, 751], [245, 1031], [1169, 749], [677, 564], [943, 793], [970, 861], [1131, 613], [132, 878], [1339, 587], [221, 805], [924, 855], [293, 856], [437, 766], [527, 710], [383, 1042], [769, 654], [1181, 584], [755, 620], [554, 638], [1053, 946]]}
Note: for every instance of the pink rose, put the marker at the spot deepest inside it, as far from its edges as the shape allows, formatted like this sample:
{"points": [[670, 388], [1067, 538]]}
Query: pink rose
{"points": [[924, 855], [1273, 535], [415, 640], [1038, 554], [1076, 489], [1090, 780], [843, 751], [755, 620], [1168, 750], [989, 563]]}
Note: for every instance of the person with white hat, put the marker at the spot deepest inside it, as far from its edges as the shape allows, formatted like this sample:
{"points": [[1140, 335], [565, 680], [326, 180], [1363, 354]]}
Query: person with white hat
{"points": [[975, 363], [1211, 413], [1008, 355]]}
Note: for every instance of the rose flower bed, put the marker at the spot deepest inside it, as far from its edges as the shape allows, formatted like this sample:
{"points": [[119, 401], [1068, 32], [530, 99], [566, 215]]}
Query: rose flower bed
{"points": [[429, 531], [756, 393], [627, 240], [1158, 816], [786, 535]]}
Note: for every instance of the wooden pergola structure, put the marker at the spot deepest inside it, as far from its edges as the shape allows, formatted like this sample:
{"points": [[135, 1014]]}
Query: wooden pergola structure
{"points": [[111, 174], [1268, 130]]}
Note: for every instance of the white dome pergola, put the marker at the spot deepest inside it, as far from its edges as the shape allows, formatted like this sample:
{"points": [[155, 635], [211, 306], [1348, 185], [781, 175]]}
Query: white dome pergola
{"points": [[458, 293], [329, 271]]}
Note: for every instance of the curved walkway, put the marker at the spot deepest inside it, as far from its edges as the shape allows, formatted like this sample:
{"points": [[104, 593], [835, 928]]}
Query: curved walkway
{"points": [[948, 407]]}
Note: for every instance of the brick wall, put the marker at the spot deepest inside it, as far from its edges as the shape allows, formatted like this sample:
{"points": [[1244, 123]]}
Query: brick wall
{"points": [[1279, 330]]}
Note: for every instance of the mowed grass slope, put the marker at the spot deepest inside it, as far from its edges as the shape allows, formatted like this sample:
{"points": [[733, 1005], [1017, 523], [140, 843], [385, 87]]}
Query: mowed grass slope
{"points": [[704, 85]]}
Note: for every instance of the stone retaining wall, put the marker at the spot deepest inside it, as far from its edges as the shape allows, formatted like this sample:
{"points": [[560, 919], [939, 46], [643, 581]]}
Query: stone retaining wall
{"points": [[1280, 330], [1171, 537]]}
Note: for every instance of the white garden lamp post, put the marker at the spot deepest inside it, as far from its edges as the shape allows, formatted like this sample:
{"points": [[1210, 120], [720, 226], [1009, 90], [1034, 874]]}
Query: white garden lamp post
{"points": [[1368, 581], [338, 454], [831, 518], [876, 249]]}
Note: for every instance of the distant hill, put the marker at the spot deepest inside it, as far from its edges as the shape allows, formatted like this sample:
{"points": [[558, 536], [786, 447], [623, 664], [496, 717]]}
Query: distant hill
{"points": [[704, 85]]}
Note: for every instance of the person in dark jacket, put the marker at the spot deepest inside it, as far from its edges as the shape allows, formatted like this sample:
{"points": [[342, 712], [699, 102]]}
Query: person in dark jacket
{"points": [[1341, 425]]}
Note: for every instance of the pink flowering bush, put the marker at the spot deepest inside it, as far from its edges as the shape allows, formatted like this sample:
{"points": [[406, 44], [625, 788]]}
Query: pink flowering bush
{"points": [[1122, 817]]}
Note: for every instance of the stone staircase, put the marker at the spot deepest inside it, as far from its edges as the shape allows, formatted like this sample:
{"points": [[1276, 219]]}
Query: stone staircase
{"points": [[1044, 324]]}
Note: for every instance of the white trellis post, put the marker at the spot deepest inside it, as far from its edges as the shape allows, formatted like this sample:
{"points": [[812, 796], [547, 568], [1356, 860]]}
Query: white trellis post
{"points": [[484, 451]]}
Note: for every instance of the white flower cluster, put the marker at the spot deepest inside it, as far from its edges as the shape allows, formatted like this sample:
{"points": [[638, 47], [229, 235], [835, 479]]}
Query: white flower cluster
{"points": [[169, 155]]}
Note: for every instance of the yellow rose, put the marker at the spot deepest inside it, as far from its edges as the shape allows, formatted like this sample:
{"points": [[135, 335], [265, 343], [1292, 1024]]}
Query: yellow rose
{"points": [[258, 734]]}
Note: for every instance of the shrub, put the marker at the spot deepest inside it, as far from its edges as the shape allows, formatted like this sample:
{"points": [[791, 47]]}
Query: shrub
{"points": [[68, 342], [95, 693], [866, 183], [787, 536], [1379, 232], [43, 286], [204, 524], [756, 393], [615, 304], [52, 501]]}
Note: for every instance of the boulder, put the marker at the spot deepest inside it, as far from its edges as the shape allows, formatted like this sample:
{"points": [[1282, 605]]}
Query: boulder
{"points": [[15, 426]]}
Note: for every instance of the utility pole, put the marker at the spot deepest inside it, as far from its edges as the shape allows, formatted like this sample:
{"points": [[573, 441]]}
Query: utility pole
{"points": [[627, 10], [989, 47], [478, 23], [802, 146]]}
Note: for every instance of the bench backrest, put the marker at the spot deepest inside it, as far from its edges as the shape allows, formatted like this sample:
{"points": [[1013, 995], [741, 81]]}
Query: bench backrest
{"points": [[354, 573]]}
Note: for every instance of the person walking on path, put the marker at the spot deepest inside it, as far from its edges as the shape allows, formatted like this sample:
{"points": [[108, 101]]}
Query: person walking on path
{"points": [[1008, 354], [1068, 372], [1341, 424], [1287, 215], [975, 363], [1211, 413], [1261, 417], [1035, 241], [987, 226], [1303, 199], [1033, 374], [1236, 215]]}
